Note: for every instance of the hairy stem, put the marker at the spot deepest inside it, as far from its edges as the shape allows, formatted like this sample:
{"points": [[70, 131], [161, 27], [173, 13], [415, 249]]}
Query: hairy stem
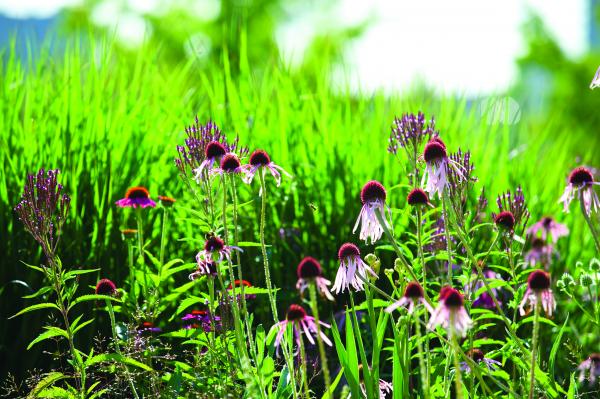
{"points": [[534, 343], [111, 313], [315, 311]]}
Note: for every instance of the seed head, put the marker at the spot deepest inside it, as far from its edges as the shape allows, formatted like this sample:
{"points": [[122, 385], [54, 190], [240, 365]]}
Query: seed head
{"points": [[417, 197], [260, 158], [214, 243], [505, 219], [348, 250], [581, 176], [214, 149], [309, 267], [435, 150], [138, 192], [413, 290], [295, 313], [230, 163], [167, 202], [106, 287], [372, 191], [539, 280], [453, 298]]}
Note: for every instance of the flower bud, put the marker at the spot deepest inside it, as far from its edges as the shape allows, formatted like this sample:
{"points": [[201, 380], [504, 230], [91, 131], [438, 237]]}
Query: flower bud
{"points": [[585, 280], [595, 265]]}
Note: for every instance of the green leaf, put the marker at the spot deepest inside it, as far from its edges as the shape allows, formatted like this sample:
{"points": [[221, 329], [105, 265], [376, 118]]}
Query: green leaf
{"points": [[249, 244], [74, 273], [50, 332], [555, 347], [93, 297], [106, 357], [46, 382], [329, 393], [45, 305], [186, 303]]}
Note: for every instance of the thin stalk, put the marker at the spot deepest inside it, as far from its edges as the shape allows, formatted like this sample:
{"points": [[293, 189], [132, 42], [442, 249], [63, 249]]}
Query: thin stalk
{"points": [[315, 311], [422, 364], [163, 241], [589, 221], [263, 211], [361, 348], [111, 313], [424, 284], [456, 350], [447, 233], [140, 226], [534, 343], [131, 273], [304, 369]]}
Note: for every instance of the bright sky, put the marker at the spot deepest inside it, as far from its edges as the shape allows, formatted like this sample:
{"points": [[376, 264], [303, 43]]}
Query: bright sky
{"points": [[462, 46]]}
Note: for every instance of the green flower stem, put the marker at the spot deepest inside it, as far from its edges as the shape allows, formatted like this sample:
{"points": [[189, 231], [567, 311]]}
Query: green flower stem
{"points": [[163, 241], [589, 222], [111, 313], [131, 273], [303, 365], [363, 356], [263, 211], [422, 364], [456, 350], [315, 311], [420, 248], [534, 343], [447, 233], [140, 226]]}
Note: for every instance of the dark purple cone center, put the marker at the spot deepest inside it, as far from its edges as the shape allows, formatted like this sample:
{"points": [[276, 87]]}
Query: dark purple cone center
{"points": [[106, 287], [581, 176], [309, 267], [505, 219], [347, 250], [476, 354], [539, 280], [137, 193], [453, 299], [259, 158], [413, 290], [214, 149], [296, 313], [434, 150], [537, 243], [595, 358], [214, 244], [547, 222], [230, 162], [417, 197], [372, 191]]}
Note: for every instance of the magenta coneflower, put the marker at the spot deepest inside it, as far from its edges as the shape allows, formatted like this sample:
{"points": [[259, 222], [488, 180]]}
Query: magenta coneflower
{"points": [[205, 268], [538, 290], [548, 227], [260, 159], [437, 163], [213, 152], [478, 357], [309, 270], [413, 295], [451, 313], [581, 182], [590, 366], [353, 270], [300, 322], [418, 197], [136, 197], [540, 253], [216, 250], [372, 196], [106, 287]]}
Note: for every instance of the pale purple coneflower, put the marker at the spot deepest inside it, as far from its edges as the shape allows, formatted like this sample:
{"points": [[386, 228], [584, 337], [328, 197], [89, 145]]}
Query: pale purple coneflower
{"points": [[413, 295], [260, 159], [539, 253], [513, 215], [590, 366], [418, 198], [478, 357], [216, 250], [301, 322], [596, 81], [373, 197], [309, 271], [136, 197], [205, 267], [229, 164], [538, 290], [437, 163], [106, 287], [547, 226], [353, 270], [213, 152], [451, 313], [581, 181]]}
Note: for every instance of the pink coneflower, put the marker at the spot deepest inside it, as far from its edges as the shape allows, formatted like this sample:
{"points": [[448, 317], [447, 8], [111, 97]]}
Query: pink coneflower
{"points": [[478, 357], [213, 153], [372, 196], [136, 197], [106, 287], [230, 164], [205, 268], [538, 289], [592, 366], [581, 182], [540, 253], [216, 250], [413, 295], [300, 322], [309, 270], [596, 81], [260, 159], [548, 227], [418, 197], [451, 313], [437, 163], [353, 270]]}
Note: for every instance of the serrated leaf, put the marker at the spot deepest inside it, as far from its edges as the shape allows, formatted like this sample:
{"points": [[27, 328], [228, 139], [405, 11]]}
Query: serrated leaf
{"points": [[50, 332]]}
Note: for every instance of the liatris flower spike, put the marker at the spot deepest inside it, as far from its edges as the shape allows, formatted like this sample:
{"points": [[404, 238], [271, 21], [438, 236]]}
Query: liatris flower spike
{"points": [[309, 271], [353, 270], [548, 227], [413, 295], [591, 367], [596, 81], [216, 250], [478, 357], [260, 160], [372, 196], [437, 164], [136, 197], [106, 287], [451, 313], [300, 322], [538, 289], [581, 182]]}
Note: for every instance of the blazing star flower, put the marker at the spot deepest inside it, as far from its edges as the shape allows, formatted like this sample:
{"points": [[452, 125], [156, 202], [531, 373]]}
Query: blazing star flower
{"points": [[437, 166], [540, 253], [167, 202], [409, 131], [581, 182], [538, 290], [592, 366], [548, 227], [260, 160], [353, 270], [418, 198], [413, 295], [478, 357], [239, 283], [205, 268], [43, 209], [136, 197], [372, 196], [106, 287], [451, 313], [513, 212], [202, 319], [309, 270], [484, 300], [216, 250], [596, 81], [300, 322]]}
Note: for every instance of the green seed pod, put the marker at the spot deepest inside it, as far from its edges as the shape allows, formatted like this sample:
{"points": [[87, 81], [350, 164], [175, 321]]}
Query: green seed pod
{"points": [[585, 280], [595, 265]]}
